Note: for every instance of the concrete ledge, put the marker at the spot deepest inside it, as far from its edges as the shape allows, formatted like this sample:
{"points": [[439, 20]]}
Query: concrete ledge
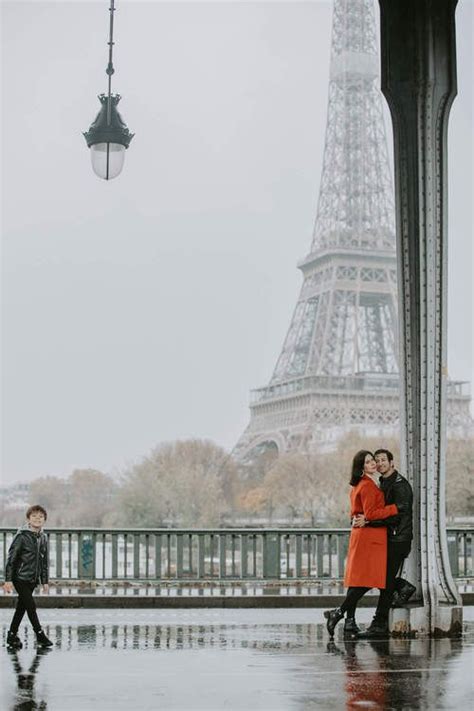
{"points": [[188, 601], [191, 601]]}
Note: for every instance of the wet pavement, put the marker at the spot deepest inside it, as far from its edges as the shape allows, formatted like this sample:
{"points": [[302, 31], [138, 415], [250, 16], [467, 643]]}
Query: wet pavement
{"points": [[228, 659]]}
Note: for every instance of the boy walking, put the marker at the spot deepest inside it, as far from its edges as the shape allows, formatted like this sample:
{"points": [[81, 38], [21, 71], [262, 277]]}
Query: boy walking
{"points": [[27, 565]]}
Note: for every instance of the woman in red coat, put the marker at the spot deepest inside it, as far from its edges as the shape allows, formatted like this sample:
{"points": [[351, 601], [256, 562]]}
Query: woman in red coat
{"points": [[367, 557]]}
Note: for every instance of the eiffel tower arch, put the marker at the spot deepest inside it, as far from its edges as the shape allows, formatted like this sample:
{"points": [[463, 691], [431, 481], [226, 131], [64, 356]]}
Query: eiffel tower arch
{"points": [[338, 369]]}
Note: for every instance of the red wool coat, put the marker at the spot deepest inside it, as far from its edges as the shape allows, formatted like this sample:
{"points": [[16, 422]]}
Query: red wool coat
{"points": [[366, 564]]}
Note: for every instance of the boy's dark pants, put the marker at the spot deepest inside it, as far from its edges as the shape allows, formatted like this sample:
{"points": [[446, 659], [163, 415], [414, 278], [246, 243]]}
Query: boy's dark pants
{"points": [[25, 603], [396, 554]]}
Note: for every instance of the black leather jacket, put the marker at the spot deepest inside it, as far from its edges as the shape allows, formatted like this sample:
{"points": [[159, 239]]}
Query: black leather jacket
{"points": [[397, 490], [28, 557]]}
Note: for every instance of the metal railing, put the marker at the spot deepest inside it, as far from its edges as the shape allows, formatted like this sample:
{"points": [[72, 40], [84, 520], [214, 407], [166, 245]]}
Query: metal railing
{"points": [[201, 555]]}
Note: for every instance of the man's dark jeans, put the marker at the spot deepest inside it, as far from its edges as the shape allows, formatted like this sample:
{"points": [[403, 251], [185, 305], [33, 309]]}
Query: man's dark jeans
{"points": [[25, 603], [396, 554]]}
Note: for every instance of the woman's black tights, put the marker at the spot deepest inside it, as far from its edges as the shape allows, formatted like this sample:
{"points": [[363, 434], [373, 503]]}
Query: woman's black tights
{"points": [[352, 598]]}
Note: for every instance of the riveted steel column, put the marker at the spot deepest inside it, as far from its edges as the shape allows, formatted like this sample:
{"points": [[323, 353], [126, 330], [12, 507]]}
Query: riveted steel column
{"points": [[419, 83]]}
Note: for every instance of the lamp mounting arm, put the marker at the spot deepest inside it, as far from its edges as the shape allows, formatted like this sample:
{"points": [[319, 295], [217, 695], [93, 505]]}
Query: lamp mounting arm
{"points": [[110, 67]]}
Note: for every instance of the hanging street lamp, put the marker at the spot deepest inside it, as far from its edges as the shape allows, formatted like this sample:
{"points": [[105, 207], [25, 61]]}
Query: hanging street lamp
{"points": [[108, 136]]}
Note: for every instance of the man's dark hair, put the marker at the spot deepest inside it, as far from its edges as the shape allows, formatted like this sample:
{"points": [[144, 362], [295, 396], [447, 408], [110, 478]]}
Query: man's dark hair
{"points": [[37, 507], [358, 466], [384, 451]]}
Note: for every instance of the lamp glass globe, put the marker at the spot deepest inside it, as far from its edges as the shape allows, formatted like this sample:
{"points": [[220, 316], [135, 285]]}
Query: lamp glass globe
{"points": [[107, 159]]}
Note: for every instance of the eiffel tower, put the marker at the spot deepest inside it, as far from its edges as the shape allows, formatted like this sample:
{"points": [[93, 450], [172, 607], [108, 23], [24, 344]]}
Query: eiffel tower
{"points": [[338, 368]]}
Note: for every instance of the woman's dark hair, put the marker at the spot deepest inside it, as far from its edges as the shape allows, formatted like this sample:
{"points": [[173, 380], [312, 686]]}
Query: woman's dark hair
{"points": [[36, 507], [358, 466]]}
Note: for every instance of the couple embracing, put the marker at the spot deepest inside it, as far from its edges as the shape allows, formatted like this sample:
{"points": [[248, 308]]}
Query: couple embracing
{"points": [[380, 540]]}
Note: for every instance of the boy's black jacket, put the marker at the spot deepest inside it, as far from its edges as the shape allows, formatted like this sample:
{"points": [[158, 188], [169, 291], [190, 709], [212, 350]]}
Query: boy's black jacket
{"points": [[28, 557]]}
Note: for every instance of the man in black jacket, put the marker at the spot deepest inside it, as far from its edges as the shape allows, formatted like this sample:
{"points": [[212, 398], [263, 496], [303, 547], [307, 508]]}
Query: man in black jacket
{"points": [[27, 565], [397, 490]]}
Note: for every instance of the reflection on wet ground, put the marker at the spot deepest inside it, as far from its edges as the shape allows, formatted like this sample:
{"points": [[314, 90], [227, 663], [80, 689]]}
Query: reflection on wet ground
{"points": [[227, 659]]}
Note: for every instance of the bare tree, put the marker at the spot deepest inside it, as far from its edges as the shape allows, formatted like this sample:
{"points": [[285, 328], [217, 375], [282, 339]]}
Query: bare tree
{"points": [[51, 492], [85, 498], [180, 483], [91, 498]]}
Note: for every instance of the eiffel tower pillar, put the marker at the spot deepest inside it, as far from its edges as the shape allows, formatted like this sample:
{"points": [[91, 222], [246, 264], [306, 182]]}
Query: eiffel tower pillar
{"points": [[419, 82]]}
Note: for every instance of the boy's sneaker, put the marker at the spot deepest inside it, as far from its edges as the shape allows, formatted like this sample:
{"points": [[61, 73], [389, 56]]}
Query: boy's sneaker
{"points": [[42, 640], [13, 641]]}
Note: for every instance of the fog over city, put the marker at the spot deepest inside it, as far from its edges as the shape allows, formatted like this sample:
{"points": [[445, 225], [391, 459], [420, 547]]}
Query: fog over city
{"points": [[144, 309]]}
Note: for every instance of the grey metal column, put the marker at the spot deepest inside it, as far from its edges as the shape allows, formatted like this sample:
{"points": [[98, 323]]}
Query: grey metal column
{"points": [[419, 83]]}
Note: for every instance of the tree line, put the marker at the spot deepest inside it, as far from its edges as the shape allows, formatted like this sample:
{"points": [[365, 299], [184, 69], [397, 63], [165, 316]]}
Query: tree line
{"points": [[197, 483]]}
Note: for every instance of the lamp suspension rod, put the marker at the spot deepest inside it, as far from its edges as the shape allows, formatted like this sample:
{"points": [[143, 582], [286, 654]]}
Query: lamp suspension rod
{"points": [[110, 67]]}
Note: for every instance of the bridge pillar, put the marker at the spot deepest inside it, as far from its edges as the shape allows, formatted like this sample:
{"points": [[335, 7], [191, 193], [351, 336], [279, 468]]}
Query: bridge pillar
{"points": [[419, 83]]}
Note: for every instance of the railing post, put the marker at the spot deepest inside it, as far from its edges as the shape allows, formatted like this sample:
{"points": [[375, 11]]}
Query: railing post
{"points": [[86, 567], [4, 551], [125, 555], [244, 555], [59, 555], [157, 556], [299, 551], [201, 544], [320, 555], [69, 554], [271, 555], [211, 554], [222, 555], [342, 547], [114, 556], [136, 556], [179, 556]]}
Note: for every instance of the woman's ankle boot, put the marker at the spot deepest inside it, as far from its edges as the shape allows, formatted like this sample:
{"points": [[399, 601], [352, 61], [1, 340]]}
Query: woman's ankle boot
{"points": [[333, 617]]}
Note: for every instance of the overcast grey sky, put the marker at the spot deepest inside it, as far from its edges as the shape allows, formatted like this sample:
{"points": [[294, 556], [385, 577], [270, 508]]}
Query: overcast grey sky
{"points": [[144, 309]]}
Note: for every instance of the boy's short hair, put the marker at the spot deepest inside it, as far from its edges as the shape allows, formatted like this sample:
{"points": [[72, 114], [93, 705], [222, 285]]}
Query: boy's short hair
{"points": [[384, 451], [37, 507]]}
